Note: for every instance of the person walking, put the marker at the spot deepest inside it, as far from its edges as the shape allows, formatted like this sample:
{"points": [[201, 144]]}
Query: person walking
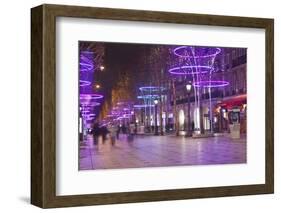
{"points": [[96, 133], [113, 133], [118, 132], [131, 129], [104, 131]]}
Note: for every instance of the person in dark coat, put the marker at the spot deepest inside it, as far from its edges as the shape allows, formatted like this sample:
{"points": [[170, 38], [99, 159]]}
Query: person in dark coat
{"points": [[118, 132], [96, 133], [103, 131], [123, 129]]}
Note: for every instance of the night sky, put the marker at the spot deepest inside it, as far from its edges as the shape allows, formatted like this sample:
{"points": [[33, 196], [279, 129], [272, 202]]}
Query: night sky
{"points": [[120, 59]]}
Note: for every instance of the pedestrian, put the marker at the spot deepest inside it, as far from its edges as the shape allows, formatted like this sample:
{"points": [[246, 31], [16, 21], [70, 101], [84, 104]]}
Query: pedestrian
{"points": [[113, 133], [96, 133], [118, 132], [123, 129], [192, 126], [104, 131], [131, 129]]}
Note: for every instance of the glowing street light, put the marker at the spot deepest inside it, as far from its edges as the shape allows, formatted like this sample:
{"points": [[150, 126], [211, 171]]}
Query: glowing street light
{"points": [[188, 87], [102, 68], [97, 86]]}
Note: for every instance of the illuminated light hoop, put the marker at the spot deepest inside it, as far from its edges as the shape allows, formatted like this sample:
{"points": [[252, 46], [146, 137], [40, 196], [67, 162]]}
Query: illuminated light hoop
{"points": [[86, 108], [111, 116], [86, 64], [151, 89], [90, 118], [106, 123], [87, 118], [180, 70], [114, 113], [90, 96], [118, 118], [84, 112], [87, 52], [177, 52], [210, 84], [123, 117], [84, 83], [142, 105], [120, 103], [148, 96], [91, 104], [91, 115], [86, 67]]}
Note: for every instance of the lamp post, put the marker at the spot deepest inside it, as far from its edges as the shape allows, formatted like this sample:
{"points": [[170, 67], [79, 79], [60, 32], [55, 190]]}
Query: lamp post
{"points": [[156, 127], [188, 89]]}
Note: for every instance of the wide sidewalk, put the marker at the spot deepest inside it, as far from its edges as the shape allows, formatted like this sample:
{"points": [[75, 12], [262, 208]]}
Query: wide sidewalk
{"points": [[156, 151]]}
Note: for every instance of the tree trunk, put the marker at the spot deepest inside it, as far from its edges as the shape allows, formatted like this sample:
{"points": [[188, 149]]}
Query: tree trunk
{"points": [[176, 125], [161, 105], [201, 114]]}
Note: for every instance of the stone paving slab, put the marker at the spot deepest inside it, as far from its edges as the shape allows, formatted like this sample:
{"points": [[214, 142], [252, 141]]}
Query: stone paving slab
{"points": [[160, 151]]}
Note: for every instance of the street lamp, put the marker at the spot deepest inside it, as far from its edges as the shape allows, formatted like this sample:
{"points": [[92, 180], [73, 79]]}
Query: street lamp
{"points": [[156, 127], [97, 86], [102, 68], [188, 89]]}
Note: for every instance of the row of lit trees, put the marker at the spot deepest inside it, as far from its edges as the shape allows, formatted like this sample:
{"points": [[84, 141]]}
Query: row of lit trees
{"points": [[156, 61], [88, 66], [150, 70]]}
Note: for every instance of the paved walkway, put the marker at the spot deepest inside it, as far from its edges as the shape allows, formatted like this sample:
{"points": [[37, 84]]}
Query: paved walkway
{"points": [[156, 151]]}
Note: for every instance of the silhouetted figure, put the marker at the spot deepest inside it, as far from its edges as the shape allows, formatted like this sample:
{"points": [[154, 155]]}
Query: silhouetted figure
{"points": [[103, 131], [113, 133], [131, 131], [123, 129], [192, 126], [135, 129], [96, 133], [118, 132]]}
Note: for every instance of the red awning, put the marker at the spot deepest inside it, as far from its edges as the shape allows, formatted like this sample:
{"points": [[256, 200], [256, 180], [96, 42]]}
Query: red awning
{"points": [[232, 101]]}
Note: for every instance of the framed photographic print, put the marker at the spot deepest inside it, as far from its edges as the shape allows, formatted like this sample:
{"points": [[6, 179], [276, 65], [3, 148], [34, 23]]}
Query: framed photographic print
{"points": [[136, 106]]}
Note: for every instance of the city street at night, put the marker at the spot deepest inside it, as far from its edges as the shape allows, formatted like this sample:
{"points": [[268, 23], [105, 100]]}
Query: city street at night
{"points": [[153, 105], [156, 151]]}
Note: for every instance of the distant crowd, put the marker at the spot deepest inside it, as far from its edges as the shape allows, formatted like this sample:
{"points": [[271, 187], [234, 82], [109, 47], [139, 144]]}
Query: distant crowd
{"points": [[113, 131]]}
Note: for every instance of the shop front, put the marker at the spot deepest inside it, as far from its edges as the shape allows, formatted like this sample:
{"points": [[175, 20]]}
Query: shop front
{"points": [[231, 115]]}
